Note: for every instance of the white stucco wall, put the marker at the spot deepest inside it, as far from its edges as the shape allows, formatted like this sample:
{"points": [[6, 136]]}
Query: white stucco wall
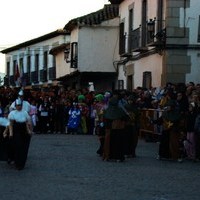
{"points": [[151, 63], [62, 68], [98, 47], [191, 20], [194, 74], [37, 48]]}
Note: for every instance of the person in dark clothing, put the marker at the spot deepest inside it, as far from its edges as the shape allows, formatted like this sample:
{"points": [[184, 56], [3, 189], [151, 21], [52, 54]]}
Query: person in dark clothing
{"points": [[171, 121], [59, 116], [44, 115], [197, 135], [131, 127], [4, 140], [189, 142], [182, 102], [114, 117]]}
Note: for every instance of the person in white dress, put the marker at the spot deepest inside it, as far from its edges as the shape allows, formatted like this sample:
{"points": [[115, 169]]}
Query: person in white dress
{"points": [[20, 133]]}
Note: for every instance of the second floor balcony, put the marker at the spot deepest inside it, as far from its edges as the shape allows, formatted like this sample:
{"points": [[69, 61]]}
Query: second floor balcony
{"points": [[140, 39]]}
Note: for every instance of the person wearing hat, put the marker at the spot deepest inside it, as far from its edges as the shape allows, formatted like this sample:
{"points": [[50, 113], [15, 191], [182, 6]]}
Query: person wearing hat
{"points": [[19, 132], [114, 118], [131, 127], [25, 104], [171, 121]]}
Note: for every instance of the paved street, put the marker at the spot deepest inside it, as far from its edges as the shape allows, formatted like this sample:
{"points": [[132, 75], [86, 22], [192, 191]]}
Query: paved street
{"points": [[66, 167]]}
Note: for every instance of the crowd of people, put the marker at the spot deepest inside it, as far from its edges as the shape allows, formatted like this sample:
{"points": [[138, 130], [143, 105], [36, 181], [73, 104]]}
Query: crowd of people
{"points": [[115, 116]]}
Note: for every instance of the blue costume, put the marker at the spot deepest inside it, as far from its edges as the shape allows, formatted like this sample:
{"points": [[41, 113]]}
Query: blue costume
{"points": [[74, 119]]}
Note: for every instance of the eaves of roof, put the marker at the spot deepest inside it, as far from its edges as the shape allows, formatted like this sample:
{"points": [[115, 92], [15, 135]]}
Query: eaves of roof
{"points": [[36, 40], [78, 73], [108, 12], [59, 48], [116, 1]]}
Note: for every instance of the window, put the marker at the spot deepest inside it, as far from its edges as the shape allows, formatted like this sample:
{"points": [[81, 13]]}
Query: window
{"points": [[74, 55], [120, 84], [34, 77], [147, 79], [36, 62], [8, 69], [54, 61], [144, 20], [121, 39], [45, 66], [198, 40], [45, 59], [130, 29], [160, 16], [29, 64], [21, 65], [130, 82], [15, 69], [131, 25]]}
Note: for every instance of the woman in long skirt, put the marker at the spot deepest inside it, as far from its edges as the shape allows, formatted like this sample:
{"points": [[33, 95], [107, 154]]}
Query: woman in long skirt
{"points": [[20, 132], [115, 118]]}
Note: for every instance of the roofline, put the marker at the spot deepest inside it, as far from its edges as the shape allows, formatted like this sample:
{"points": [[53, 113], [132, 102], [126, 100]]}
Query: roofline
{"points": [[116, 1], [108, 12], [58, 48], [36, 40]]}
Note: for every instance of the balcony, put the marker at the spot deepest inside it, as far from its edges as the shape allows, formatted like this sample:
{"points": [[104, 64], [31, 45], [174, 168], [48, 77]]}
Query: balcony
{"points": [[52, 73], [12, 80], [135, 39], [34, 77], [156, 33], [27, 78], [43, 75], [133, 42]]}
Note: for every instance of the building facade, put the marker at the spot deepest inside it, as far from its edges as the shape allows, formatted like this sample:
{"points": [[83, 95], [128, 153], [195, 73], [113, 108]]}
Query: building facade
{"points": [[93, 48], [30, 64], [159, 42]]}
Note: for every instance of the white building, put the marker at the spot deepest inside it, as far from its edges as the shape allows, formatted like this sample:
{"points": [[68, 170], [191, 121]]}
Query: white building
{"points": [[92, 50], [30, 64], [159, 42]]}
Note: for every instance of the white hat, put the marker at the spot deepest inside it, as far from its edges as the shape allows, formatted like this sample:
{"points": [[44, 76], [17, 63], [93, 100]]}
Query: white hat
{"points": [[192, 104], [18, 102], [21, 93]]}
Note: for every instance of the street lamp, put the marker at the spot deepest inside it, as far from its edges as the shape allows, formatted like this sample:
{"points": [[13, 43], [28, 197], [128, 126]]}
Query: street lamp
{"points": [[66, 55], [151, 26], [160, 34]]}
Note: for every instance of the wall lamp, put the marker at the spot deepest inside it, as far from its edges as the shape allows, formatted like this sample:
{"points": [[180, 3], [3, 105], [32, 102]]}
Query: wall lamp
{"points": [[66, 55], [156, 34], [71, 52], [151, 28]]}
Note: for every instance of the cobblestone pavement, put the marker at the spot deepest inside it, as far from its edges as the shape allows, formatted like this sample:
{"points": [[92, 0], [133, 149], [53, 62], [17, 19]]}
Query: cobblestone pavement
{"points": [[66, 167]]}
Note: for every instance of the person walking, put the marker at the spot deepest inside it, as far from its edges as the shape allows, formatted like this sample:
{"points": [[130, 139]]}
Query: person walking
{"points": [[20, 132], [131, 127], [115, 118], [25, 104], [189, 143], [44, 115], [172, 127]]}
